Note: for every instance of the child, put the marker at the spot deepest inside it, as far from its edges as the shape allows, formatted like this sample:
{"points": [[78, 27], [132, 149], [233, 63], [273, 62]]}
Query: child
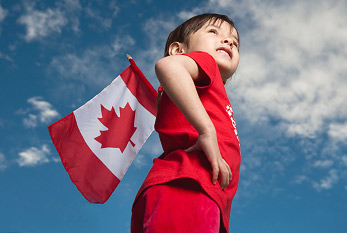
{"points": [[191, 185]]}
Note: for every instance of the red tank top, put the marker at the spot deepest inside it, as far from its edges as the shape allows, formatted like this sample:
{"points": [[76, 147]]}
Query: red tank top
{"points": [[177, 134]]}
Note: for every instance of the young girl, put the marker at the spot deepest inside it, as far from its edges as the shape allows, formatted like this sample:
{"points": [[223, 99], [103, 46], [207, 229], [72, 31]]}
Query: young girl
{"points": [[191, 185]]}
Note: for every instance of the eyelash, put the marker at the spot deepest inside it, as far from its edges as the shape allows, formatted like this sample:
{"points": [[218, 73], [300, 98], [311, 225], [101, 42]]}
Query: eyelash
{"points": [[213, 31]]}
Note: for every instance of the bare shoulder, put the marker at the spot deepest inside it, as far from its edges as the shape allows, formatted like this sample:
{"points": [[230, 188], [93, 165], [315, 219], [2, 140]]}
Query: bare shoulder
{"points": [[178, 63]]}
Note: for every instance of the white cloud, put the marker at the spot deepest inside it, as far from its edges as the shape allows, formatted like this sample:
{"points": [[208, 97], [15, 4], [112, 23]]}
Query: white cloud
{"points": [[33, 156], [121, 43], [102, 19], [94, 68], [338, 131], [3, 163], [140, 161], [44, 112], [96, 15], [344, 160], [3, 13], [113, 5], [323, 163], [6, 57], [47, 113], [71, 9], [30, 121], [88, 68], [157, 30], [300, 179], [72, 5], [40, 24], [327, 182]]}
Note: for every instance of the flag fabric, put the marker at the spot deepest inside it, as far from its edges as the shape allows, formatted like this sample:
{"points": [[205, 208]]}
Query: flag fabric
{"points": [[98, 142]]}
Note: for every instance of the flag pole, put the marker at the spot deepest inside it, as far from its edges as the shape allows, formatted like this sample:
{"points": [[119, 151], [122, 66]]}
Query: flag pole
{"points": [[141, 76]]}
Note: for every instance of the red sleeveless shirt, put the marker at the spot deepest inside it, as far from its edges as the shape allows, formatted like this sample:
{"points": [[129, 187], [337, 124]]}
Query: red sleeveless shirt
{"points": [[177, 134]]}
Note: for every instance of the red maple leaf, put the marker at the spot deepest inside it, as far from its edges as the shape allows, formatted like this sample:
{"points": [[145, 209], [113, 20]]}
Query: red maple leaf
{"points": [[120, 129]]}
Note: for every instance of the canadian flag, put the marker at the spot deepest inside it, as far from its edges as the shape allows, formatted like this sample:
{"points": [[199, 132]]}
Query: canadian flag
{"points": [[98, 142]]}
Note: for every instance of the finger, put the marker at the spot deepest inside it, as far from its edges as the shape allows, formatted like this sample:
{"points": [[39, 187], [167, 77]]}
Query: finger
{"points": [[215, 172], [190, 149], [229, 171], [225, 178]]}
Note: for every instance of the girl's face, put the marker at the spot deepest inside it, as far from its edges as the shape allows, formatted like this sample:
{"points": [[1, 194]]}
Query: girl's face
{"points": [[220, 40]]}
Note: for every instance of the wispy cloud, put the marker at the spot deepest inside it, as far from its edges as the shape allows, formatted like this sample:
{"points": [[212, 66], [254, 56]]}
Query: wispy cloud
{"points": [[120, 44], [70, 5], [300, 179], [33, 156], [89, 68], [3, 14], [338, 131], [104, 22], [6, 57], [41, 111], [323, 163], [156, 30], [3, 163], [40, 24], [114, 6], [92, 69], [328, 181], [344, 160], [140, 161]]}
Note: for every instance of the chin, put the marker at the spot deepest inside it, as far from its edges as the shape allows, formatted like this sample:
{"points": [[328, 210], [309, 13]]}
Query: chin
{"points": [[228, 71]]}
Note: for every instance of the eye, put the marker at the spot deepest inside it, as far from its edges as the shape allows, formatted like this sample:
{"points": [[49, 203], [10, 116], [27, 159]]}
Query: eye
{"points": [[236, 44], [214, 31]]}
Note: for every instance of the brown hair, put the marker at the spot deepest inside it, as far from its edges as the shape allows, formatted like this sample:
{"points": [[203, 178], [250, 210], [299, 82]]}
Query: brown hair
{"points": [[183, 31]]}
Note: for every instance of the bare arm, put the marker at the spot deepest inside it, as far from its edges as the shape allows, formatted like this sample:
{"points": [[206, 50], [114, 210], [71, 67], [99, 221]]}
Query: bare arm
{"points": [[177, 74]]}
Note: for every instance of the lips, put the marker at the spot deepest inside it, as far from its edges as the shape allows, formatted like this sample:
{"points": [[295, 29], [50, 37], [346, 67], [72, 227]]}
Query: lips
{"points": [[226, 51]]}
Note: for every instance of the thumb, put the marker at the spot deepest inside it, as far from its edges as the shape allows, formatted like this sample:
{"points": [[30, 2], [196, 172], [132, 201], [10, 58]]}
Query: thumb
{"points": [[192, 148]]}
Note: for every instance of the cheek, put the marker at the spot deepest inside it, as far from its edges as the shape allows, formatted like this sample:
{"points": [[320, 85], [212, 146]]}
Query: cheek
{"points": [[236, 60]]}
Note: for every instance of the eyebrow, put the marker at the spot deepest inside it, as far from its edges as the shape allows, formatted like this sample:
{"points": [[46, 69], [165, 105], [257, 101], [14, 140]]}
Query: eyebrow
{"points": [[215, 26]]}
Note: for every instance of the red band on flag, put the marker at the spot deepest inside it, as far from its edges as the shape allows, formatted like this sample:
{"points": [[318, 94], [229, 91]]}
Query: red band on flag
{"points": [[65, 136], [142, 89]]}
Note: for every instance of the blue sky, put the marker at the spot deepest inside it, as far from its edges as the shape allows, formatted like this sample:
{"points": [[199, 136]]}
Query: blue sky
{"points": [[289, 98]]}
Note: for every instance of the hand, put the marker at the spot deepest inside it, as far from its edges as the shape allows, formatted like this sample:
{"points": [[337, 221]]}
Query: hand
{"points": [[220, 169]]}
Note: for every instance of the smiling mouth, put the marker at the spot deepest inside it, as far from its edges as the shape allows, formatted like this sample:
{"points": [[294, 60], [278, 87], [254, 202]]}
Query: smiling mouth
{"points": [[224, 51]]}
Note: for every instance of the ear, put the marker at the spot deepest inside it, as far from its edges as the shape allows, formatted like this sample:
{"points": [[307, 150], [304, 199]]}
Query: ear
{"points": [[176, 48]]}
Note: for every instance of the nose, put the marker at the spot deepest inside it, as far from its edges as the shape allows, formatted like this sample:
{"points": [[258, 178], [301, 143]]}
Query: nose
{"points": [[227, 41]]}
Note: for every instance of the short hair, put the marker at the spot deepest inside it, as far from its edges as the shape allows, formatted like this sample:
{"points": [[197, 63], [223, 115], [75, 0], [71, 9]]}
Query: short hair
{"points": [[183, 31]]}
